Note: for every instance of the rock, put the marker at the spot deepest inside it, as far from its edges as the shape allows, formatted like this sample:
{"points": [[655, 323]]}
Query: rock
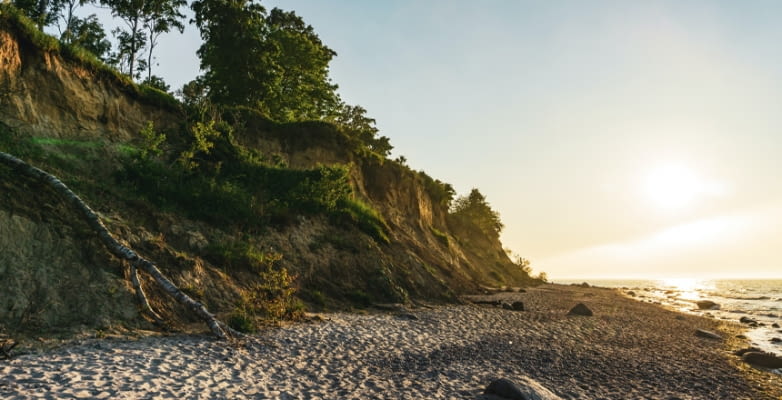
{"points": [[580, 309], [407, 316], [776, 340], [741, 352], [584, 285], [747, 320], [631, 293], [707, 305], [765, 360], [517, 306], [527, 389], [707, 334], [775, 325], [522, 290]]}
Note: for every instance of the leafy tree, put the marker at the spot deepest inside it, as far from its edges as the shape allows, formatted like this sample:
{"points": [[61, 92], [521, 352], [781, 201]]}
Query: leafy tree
{"points": [[162, 16], [157, 83], [140, 17], [235, 55], [66, 15], [275, 63], [354, 121], [473, 210], [40, 11], [89, 34], [304, 90], [132, 39]]}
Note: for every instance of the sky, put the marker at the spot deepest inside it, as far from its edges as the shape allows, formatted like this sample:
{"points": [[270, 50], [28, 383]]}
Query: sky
{"points": [[615, 138]]}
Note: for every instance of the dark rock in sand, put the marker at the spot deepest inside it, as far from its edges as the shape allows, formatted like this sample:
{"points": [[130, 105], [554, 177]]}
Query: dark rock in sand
{"points": [[580, 309], [775, 325], [776, 340], [707, 305], [707, 334], [522, 290], [631, 293], [517, 306], [527, 389], [741, 352], [747, 320], [766, 360], [407, 316]]}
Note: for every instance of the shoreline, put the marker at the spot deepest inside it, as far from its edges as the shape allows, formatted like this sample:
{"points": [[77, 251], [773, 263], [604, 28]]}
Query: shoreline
{"points": [[628, 349]]}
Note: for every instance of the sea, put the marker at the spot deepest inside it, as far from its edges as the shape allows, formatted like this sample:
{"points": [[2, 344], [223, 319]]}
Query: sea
{"points": [[756, 299]]}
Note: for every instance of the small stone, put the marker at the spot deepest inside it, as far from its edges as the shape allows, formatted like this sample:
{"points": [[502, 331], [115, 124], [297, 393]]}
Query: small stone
{"points": [[580, 309], [747, 320], [775, 325], [707, 305], [517, 306], [707, 334], [776, 340], [631, 293], [527, 390]]}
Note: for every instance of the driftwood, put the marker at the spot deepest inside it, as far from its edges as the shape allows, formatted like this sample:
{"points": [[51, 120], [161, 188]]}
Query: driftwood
{"points": [[217, 327], [6, 345]]}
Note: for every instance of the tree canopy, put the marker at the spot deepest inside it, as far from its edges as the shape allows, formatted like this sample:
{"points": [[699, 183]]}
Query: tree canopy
{"points": [[474, 211], [273, 62]]}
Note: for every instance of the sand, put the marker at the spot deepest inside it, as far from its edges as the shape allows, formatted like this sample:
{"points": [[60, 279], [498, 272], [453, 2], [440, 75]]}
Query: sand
{"points": [[627, 350]]}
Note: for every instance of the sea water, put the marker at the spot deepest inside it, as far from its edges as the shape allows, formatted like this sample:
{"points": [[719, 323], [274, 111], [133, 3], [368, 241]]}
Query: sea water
{"points": [[760, 300]]}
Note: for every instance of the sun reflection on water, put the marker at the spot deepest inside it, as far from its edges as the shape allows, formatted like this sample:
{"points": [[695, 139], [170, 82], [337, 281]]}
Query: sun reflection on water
{"points": [[688, 288]]}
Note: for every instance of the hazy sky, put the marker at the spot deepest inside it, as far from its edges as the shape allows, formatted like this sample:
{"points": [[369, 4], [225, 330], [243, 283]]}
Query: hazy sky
{"points": [[615, 138]]}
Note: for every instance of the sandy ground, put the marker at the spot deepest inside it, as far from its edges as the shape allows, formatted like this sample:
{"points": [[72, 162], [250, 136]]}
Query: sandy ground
{"points": [[627, 350]]}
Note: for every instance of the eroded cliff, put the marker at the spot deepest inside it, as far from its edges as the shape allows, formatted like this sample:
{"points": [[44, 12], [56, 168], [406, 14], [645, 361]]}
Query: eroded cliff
{"points": [[78, 123]]}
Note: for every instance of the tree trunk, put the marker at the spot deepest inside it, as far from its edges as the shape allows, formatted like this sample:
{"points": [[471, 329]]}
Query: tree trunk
{"points": [[119, 250]]}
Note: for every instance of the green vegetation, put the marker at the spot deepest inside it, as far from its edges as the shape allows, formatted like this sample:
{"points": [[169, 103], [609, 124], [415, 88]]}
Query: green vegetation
{"points": [[474, 214], [266, 79], [27, 32]]}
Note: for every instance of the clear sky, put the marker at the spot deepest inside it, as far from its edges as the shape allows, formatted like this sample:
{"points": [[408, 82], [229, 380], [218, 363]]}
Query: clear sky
{"points": [[616, 138]]}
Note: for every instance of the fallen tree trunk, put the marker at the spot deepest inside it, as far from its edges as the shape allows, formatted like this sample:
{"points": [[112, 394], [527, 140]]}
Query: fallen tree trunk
{"points": [[118, 249]]}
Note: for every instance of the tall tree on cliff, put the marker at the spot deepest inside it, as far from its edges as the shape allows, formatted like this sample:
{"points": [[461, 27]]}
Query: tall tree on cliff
{"points": [[157, 16], [305, 90], [273, 62], [163, 17]]}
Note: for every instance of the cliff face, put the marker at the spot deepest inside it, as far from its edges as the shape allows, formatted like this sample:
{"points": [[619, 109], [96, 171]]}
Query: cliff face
{"points": [[42, 95]]}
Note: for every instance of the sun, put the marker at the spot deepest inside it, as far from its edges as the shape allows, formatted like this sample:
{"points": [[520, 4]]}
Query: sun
{"points": [[677, 186]]}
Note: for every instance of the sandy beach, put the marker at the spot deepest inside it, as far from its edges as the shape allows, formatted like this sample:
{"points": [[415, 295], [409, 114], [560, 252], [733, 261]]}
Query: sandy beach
{"points": [[626, 350]]}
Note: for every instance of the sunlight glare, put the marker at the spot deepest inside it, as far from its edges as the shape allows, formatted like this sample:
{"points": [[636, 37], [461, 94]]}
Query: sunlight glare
{"points": [[676, 186]]}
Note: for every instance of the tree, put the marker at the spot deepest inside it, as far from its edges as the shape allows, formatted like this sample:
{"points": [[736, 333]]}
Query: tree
{"points": [[132, 39], [235, 55], [162, 17], [89, 34], [473, 210], [66, 13], [140, 17], [354, 121], [304, 90], [40, 11], [274, 63]]}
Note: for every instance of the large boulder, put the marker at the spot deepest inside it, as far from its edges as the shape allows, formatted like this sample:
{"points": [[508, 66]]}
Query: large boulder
{"points": [[580, 309], [526, 389], [766, 360]]}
